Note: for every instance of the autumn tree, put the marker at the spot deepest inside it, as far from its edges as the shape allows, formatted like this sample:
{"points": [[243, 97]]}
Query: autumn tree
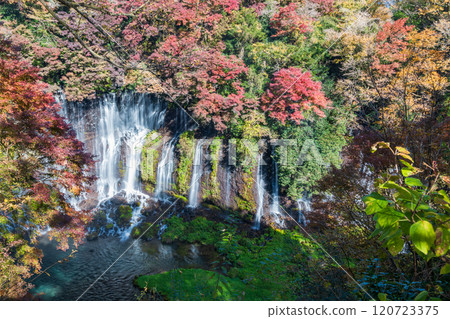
{"points": [[42, 165], [292, 94], [400, 86], [287, 22]]}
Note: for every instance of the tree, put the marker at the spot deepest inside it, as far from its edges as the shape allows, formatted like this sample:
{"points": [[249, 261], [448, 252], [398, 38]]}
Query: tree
{"points": [[42, 164], [292, 95], [287, 22], [205, 78], [315, 148], [400, 87]]}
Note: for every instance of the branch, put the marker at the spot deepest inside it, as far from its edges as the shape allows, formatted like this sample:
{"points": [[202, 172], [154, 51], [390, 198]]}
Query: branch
{"points": [[76, 36]]}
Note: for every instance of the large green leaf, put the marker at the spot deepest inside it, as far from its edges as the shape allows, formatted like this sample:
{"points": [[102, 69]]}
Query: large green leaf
{"points": [[422, 236], [382, 296], [395, 245], [445, 270], [388, 217], [422, 296], [411, 181], [374, 202]]}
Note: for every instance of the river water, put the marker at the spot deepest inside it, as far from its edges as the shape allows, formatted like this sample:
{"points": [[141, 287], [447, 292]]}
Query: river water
{"points": [[68, 280]]}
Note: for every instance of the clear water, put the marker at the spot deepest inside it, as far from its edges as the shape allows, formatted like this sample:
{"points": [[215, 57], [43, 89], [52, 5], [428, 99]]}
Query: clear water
{"points": [[68, 280]]}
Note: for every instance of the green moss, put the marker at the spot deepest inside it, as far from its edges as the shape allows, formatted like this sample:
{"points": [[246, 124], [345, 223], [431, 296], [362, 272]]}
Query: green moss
{"points": [[200, 230], [121, 169], [185, 146], [211, 206], [274, 266], [184, 199], [245, 200], [147, 230], [149, 160], [195, 284], [109, 226], [126, 212], [211, 189]]}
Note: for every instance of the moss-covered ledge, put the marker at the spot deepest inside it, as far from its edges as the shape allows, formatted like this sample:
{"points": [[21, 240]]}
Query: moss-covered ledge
{"points": [[149, 160], [211, 187], [185, 147]]}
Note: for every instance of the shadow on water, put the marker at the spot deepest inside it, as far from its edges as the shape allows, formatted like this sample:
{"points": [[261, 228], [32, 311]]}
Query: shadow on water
{"points": [[68, 280]]}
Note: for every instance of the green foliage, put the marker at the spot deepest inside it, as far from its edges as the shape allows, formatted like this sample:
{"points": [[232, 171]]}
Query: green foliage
{"points": [[407, 211], [149, 160], [315, 149], [243, 30], [211, 191], [185, 146], [394, 286]]}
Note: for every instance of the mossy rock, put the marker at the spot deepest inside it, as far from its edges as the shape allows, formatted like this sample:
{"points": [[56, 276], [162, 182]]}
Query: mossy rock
{"points": [[92, 236], [109, 226], [211, 206], [244, 205], [149, 234], [126, 213], [185, 146], [184, 199], [149, 160], [200, 231]]}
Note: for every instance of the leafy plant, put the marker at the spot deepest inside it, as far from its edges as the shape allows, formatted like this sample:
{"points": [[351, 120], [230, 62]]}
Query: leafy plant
{"points": [[410, 212]]}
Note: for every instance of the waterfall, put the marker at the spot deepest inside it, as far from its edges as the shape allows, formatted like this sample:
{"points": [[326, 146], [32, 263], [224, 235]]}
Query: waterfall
{"points": [[165, 169], [114, 128], [123, 121], [166, 163], [134, 143], [196, 176], [228, 187], [260, 187], [275, 208], [304, 205]]}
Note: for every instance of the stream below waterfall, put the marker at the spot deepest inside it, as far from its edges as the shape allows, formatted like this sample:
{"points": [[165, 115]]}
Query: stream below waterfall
{"points": [[68, 280]]}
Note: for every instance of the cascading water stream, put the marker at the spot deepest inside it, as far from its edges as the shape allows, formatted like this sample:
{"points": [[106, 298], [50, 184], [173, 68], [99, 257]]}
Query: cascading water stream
{"points": [[165, 169], [166, 165], [196, 176], [304, 206], [228, 187], [261, 190], [134, 143], [118, 123], [275, 208]]}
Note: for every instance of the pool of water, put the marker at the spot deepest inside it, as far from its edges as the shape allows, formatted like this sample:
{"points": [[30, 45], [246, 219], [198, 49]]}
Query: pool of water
{"points": [[68, 280]]}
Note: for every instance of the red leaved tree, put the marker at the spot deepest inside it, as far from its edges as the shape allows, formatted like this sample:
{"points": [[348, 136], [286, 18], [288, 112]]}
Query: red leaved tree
{"points": [[287, 22], [391, 41], [41, 162], [204, 78], [293, 93]]}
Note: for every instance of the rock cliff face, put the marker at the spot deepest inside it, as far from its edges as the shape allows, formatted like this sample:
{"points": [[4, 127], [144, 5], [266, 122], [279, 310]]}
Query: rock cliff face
{"points": [[151, 158]]}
